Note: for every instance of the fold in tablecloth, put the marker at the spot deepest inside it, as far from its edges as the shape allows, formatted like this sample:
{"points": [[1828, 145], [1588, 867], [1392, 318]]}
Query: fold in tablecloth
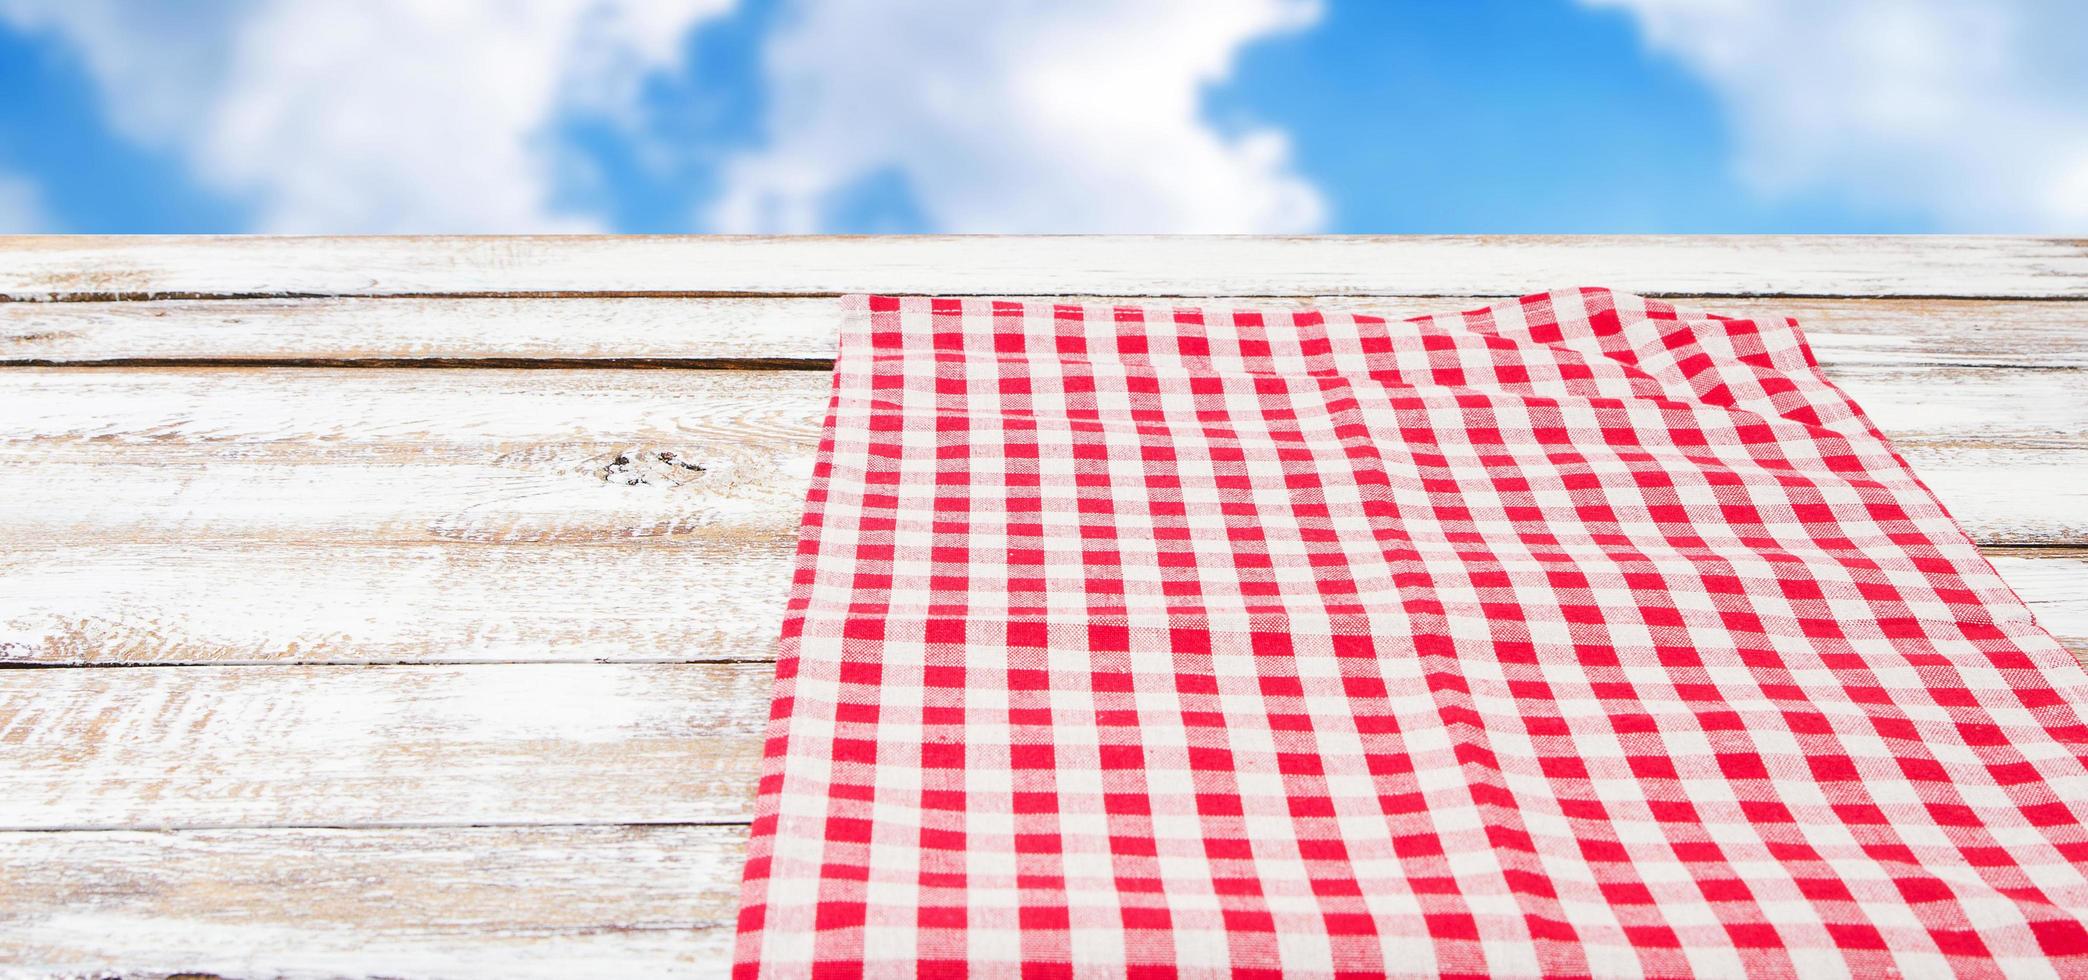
{"points": [[1576, 635]]}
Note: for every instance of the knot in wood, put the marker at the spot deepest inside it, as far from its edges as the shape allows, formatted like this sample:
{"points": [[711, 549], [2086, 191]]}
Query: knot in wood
{"points": [[659, 467]]}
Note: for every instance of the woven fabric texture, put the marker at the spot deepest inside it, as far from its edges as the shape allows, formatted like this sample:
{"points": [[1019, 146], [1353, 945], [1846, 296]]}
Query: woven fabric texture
{"points": [[1575, 635]]}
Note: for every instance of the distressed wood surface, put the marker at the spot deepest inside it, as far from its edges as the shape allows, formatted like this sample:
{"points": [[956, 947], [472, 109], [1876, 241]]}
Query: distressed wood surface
{"points": [[2053, 582], [60, 267], [462, 604], [189, 747], [405, 515], [436, 667], [2041, 334], [492, 902], [427, 746], [446, 602]]}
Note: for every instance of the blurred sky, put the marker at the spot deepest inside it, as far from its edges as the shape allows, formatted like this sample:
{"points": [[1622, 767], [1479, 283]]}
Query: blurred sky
{"points": [[1044, 116]]}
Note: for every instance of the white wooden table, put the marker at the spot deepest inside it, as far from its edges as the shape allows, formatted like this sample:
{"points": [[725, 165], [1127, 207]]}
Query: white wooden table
{"points": [[378, 637]]}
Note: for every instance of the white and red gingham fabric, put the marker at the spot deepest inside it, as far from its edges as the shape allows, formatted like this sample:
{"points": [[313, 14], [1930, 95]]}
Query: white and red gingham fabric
{"points": [[1576, 636]]}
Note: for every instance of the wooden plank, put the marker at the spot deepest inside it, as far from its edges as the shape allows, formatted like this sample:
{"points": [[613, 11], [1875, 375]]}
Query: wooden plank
{"points": [[355, 517], [2054, 583], [507, 902], [218, 602], [318, 604], [617, 330], [427, 456], [1935, 408], [397, 746], [273, 746], [2001, 498], [344, 516], [750, 430], [61, 267]]}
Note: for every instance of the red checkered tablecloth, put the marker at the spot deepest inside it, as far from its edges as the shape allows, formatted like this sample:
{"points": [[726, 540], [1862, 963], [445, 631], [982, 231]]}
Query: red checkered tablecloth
{"points": [[1575, 635]]}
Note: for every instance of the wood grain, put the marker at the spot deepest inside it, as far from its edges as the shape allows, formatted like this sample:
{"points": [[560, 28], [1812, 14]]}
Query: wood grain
{"points": [[2039, 334], [480, 902], [491, 802], [381, 516], [190, 748], [748, 429], [649, 600], [60, 267], [318, 604], [2053, 582], [281, 745]]}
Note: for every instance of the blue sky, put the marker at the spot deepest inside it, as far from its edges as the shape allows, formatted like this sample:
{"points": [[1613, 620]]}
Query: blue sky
{"points": [[1160, 115]]}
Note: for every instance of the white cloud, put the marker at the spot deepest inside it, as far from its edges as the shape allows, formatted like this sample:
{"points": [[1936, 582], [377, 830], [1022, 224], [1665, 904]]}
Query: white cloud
{"points": [[21, 208], [1973, 111], [425, 115], [1076, 115], [383, 115]]}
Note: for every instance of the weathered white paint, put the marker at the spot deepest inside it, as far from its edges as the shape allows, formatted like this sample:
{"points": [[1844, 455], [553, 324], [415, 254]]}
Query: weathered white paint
{"points": [[2054, 584], [280, 745], [478, 902], [347, 515], [219, 515], [2003, 499], [1842, 331], [230, 601], [59, 266], [645, 600], [754, 426]]}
